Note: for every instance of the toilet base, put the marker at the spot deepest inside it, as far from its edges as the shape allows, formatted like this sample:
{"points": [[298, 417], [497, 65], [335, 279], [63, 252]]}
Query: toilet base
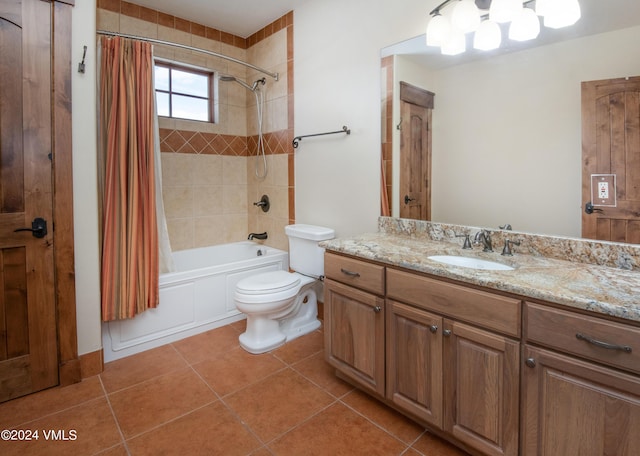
{"points": [[264, 334], [261, 335]]}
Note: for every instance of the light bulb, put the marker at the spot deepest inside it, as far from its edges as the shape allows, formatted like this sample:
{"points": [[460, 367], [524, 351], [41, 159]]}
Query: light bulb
{"points": [[488, 36], [465, 16], [525, 26], [504, 10], [438, 30], [456, 44], [562, 13]]}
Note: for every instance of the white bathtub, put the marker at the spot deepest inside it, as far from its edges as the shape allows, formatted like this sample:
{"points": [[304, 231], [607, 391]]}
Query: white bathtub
{"points": [[196, 298]]}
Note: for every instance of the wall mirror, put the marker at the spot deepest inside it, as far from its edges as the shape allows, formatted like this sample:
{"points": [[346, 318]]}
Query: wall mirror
{"points": [[506, 124]]}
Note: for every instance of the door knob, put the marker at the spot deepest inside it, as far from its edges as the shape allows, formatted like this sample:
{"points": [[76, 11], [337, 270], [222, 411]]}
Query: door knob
{"points": [[407, 200], [38, 228], [590, 209]]}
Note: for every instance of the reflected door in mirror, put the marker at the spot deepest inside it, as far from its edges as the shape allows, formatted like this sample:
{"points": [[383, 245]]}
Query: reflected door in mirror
{"points": [[416, 106], [611, 147]]}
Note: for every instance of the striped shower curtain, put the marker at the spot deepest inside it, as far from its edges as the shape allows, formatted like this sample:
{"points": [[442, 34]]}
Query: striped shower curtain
{"points": [[129, 230]]}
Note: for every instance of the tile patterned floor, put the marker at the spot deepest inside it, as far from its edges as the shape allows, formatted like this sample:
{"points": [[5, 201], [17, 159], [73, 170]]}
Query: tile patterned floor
{"points": [[206, 396]]}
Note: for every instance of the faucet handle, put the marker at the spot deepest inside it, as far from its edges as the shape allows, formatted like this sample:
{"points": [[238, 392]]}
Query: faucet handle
{"points": [[467, 242], [507, 247]]}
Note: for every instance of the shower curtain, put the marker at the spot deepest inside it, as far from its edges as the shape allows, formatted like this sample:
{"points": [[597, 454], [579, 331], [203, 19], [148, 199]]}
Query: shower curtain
{"points": [[132, 216]]}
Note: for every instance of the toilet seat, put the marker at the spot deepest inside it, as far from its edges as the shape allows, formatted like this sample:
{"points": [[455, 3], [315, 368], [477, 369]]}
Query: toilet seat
{"points": [[267, 286]]}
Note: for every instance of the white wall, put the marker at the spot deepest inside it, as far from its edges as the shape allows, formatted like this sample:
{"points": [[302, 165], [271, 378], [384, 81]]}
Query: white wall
{"points": [[337, 47], [85, 185]]}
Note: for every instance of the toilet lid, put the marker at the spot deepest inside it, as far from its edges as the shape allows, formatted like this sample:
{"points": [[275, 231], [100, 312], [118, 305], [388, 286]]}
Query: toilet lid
{"points": [[268, 282]]}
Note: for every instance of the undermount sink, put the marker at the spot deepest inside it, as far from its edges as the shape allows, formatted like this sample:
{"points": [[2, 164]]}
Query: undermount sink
{"points": [[473, 263]]}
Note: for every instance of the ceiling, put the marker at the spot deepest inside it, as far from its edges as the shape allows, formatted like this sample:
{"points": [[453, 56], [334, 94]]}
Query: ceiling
{"points": [[238, 17], [245, 17]]}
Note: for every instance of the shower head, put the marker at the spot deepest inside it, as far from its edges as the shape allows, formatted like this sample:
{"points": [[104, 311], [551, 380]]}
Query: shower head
{"points": [[228, 78]]}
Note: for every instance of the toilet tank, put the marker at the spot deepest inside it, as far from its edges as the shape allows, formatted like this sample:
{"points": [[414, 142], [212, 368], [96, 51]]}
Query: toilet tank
{"points": [[305, 256]]}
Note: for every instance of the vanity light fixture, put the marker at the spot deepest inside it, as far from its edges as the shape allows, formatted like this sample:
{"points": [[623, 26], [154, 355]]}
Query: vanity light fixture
{"points": [[448, 26]]}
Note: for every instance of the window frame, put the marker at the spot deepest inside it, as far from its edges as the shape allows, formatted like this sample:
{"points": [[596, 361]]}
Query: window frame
{"points": [[187, 69]]}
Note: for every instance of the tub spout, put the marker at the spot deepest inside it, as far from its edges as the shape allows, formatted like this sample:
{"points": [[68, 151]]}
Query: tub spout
{"points": [[261, 236]]}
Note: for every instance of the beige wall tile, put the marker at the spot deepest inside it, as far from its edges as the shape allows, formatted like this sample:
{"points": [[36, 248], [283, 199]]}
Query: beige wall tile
{"points": [[181, 233], [138, 27], [206, 170], [178, 201], [208, 200], [107, 20]]}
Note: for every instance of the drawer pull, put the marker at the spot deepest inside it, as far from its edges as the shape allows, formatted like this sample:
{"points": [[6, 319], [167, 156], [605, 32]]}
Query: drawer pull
{"points": [[433, 328], [601, 344], [349, 273], [530, 362], [446, 332], [377, 309]]}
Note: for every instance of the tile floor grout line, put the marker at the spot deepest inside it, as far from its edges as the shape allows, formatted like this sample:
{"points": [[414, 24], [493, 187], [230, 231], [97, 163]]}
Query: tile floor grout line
{"points": [[244, 425], [302, 422], [376, 424], [171, 420], [115, 418]]}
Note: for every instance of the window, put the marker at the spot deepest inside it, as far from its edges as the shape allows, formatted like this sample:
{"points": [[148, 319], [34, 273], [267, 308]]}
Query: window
{"points": [[183, 93]]}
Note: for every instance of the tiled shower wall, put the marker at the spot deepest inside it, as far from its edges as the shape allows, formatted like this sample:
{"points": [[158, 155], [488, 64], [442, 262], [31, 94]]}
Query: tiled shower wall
{"points": [[209, 182]]}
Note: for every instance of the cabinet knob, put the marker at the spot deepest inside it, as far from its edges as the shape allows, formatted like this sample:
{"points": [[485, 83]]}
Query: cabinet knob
{"points": [[433, 328], [447, 332], [530, 362], [377, 309]]}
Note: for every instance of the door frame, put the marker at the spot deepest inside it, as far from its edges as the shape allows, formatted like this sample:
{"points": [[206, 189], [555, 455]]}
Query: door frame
{"points": [[63, 235]]}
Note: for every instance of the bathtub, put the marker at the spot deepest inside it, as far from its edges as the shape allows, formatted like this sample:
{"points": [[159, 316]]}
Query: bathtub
{"points": [[196, 298]]}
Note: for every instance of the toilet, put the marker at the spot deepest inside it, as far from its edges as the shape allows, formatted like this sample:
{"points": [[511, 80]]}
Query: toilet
{"points": [[282, 305]]}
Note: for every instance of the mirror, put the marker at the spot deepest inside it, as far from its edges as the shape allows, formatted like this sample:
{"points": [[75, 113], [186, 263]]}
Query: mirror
{"points": [[506, 130]]}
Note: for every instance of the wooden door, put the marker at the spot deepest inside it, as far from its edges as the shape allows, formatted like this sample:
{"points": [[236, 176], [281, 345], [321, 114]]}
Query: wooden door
{"points": [[414, 361], [611, 157], [354, 334], [574, 407], [28, 342], [416, 106], [481, 389]]}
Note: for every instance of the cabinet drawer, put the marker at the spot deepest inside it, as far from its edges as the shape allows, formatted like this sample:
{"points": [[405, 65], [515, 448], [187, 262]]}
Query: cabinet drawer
{"points": [[356, 273], [477, 307], [600, 340]]}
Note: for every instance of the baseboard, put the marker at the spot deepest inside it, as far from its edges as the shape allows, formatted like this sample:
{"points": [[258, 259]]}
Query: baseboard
{"points": [[91, 364]]}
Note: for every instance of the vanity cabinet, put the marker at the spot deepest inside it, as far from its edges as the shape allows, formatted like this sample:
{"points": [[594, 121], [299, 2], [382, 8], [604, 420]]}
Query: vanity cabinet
{"points": [[453, 359], [497, 375], [354, 320], [581, 389]]}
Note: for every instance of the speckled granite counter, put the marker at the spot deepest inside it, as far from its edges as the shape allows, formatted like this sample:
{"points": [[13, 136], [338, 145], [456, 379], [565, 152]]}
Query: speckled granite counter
{"points": [[595, 276]]}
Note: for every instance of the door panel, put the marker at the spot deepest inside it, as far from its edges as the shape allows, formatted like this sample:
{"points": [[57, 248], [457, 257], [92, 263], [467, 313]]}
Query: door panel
{"points": [[28, 344], [611, 145]]}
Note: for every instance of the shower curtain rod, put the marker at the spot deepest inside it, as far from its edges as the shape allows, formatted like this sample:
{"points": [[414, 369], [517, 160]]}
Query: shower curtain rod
{"points": [[190, 48]]}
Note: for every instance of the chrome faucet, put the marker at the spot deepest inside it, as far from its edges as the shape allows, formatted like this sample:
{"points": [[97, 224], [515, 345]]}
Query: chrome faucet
{"points": [[484, 237], [261, 236]]}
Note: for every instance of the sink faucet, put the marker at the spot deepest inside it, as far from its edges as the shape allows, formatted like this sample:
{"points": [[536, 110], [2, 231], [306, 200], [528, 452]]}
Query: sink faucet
{"points": [[484, 237], [253, 236]]}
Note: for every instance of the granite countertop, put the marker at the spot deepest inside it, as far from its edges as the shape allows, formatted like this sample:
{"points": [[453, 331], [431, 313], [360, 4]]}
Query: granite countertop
{"points": [[597, 288]]}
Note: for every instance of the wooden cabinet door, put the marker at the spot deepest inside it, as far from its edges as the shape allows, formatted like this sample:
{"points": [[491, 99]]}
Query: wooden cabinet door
{"points": [[575, 407], [414, 361], [481, 388], [354, 334], [28, 340]]}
